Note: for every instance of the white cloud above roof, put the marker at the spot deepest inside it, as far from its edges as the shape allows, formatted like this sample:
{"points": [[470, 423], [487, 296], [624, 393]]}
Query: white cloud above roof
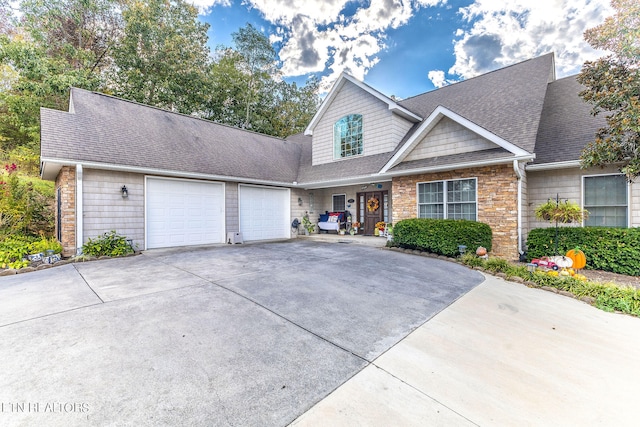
{"points": [[319, 36], [503, 33], [328, 37], [437, 77]]}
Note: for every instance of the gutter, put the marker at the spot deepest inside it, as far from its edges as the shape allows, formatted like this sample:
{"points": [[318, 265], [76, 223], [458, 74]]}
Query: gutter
{"points": [[165, 172], [79, 209], [516, 169], [452, 166], [366, 179], [552, 166]]}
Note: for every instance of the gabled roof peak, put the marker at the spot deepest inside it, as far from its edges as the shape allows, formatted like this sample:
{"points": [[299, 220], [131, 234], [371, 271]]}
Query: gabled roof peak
{"points": [[392, 105]]}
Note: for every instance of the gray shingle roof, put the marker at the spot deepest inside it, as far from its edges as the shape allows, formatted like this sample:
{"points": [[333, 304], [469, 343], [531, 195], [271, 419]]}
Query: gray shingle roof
{"points": [[506, 102], [567, 125], [110, 130], [516, 103]]}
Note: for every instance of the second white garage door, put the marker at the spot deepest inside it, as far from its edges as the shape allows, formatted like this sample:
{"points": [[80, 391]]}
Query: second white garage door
{"points": [[184, 212], [264, 213]]}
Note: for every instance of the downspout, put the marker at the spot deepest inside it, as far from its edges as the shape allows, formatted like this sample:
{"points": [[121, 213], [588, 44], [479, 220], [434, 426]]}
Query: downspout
{"points": [[516, 169], [79, 210]]}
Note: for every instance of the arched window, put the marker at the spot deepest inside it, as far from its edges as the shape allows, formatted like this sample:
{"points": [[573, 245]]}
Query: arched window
{"points": [[347, 136]]}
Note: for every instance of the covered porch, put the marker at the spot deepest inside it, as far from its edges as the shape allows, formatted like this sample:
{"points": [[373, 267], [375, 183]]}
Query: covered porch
{"points": [[364, 206]]}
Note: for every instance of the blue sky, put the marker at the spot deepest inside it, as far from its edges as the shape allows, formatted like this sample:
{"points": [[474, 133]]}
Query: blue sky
{"points": [[406, 47]]}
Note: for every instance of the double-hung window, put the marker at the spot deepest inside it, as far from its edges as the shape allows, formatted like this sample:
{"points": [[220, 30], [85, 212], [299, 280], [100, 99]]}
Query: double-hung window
{"points": [[605, 197], [453, 199], [347, 136]]}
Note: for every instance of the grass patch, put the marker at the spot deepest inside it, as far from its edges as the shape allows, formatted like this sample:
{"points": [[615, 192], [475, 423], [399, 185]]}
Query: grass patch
{"points": [[607, 296]]}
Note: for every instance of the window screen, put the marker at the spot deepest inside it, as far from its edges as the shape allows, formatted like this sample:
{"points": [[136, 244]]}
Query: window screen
{"points": [[605, 197]]}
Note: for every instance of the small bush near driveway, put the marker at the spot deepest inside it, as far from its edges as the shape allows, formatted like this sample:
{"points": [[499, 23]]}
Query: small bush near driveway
{"points": [[441, 236]]}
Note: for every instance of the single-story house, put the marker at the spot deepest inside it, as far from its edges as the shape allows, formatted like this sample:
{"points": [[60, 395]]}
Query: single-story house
{"points": [[490, 149]]}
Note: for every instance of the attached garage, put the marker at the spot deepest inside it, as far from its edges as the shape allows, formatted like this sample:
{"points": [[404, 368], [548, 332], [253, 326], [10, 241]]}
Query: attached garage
{"points": [[183, 212], [264, 212]]}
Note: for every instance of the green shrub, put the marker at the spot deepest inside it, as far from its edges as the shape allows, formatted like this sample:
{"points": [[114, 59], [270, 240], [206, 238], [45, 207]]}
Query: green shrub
{"points": [[45, 244], [609, 249], [472, 260], [497, 265], [441, 236], [13, 249], [109, 244], [25, 207]]}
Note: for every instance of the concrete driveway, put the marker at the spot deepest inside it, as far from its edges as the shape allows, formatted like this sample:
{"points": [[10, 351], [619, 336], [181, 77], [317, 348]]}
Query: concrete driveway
{"points": [[308, 334], [232, 335]]}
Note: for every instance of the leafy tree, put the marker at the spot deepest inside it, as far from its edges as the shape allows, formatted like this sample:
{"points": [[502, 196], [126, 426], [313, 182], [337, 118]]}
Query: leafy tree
{"points": [[224, 104], [23, 209], [77, 31], [153, 52], [295, 107], [247, 89], [36, 80], [258, 64], [58, 44], [162, 57], [6, 26], [613, 87]]}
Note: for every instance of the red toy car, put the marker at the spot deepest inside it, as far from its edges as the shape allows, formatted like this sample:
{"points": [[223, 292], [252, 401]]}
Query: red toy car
{"points": [[545, 262]]}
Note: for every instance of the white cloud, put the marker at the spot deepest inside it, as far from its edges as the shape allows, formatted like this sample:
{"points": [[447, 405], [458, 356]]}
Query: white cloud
{"points": [[283, 12], [320, 36], [503, 33], [428, 3], [437, 78], [204, 6], [317, 35]]}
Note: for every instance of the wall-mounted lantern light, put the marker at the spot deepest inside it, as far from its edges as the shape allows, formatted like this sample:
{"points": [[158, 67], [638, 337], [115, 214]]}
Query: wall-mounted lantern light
{"points": [[299, 201], [124, 191]]}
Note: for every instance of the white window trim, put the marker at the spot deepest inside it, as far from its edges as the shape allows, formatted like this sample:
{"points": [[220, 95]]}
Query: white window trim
{"points": [[334, 138], [444, 195], [345, 201], [582, 194]]}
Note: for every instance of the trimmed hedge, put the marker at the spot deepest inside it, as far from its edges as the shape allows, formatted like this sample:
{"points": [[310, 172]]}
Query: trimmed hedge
{"points": [[441, 236], [609, 249]]}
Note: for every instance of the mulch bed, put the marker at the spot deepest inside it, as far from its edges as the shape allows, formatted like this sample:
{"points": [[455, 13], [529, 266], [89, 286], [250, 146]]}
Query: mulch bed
{"points": [[607, 277]]}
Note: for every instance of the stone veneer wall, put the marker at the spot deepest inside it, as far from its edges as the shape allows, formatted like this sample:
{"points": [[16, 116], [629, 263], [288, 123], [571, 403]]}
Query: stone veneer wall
{"points": [[497, 202], [66, 182]]}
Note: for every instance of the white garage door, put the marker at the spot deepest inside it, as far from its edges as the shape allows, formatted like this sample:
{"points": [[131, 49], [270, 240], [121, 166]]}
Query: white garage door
{"points": [[184, 212], [264, 213]]}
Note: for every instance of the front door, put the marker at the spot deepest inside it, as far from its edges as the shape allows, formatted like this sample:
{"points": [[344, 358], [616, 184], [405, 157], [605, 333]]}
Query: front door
{"points": [[371, 210]]}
